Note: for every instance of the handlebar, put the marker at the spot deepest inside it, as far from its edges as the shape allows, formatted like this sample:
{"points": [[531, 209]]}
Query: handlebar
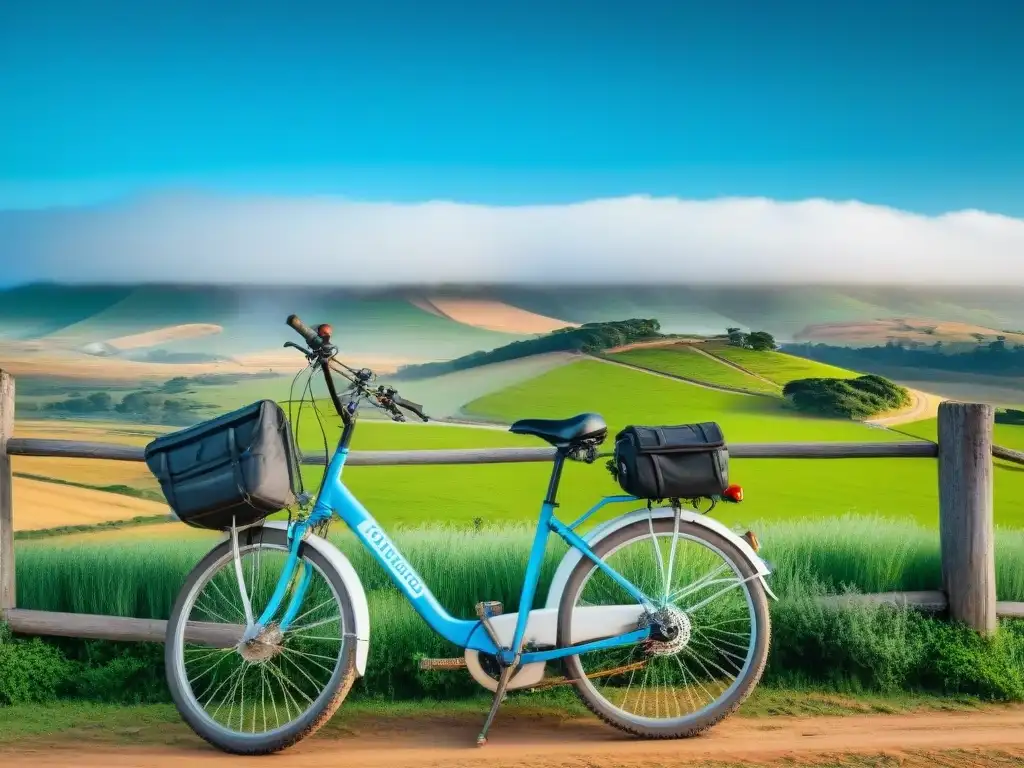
{"points": [[319, 342], [410, 406], [312, 337]]}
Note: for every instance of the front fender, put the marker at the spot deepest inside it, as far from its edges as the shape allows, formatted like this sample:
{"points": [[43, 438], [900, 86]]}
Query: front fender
{"points": [[592, 537], [354, 587]]}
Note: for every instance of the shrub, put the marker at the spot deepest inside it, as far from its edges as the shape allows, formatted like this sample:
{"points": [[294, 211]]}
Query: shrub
{"points": [[1009, 416], [31, 671], [857, 398]]}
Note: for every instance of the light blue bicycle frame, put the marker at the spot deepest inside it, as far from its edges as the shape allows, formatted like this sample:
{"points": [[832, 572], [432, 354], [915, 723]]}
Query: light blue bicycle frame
{"points": [[335, 498]]}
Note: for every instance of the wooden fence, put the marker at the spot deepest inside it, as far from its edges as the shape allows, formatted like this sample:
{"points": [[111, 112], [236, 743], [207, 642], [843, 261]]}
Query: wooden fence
{"points": [[964, 451]]}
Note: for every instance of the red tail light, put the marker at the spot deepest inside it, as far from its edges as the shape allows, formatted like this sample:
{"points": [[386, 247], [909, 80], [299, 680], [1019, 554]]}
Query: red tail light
{"points": [[733, 493]]}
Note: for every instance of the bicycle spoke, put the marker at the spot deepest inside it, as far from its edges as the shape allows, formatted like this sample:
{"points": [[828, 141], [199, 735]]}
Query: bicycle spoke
{"points": [[683, 673], [293, 668], [672, 555]]}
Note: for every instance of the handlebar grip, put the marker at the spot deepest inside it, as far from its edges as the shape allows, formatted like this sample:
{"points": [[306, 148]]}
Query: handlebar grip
{"points": [[311, 336], [410, 406]]}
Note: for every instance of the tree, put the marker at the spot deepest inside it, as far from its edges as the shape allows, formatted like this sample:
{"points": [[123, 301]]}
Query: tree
{"points": [[176, 385], [138, 403], [737, 338], [761, 341], [100, 401]]}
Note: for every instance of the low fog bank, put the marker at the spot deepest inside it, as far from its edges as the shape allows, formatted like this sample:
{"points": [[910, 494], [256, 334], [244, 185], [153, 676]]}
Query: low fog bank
{"points": [[634, 240]]}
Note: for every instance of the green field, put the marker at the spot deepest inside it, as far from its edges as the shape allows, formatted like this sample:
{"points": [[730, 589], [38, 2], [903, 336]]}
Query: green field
{"points": [[683, 360], [775, 489], [625, 396], [778, 366], [1006, 435], [905, 489]]}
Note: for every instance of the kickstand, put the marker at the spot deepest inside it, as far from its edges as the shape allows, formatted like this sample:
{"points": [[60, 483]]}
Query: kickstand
{"points": [[499, 695]]}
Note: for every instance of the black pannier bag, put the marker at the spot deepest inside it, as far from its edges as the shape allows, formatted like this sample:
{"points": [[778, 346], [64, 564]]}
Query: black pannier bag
{"points": [[689, 461], [241, 466]]}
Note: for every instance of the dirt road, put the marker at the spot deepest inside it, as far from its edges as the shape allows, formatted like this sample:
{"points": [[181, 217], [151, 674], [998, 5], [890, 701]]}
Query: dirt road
{"points": [[980, 738], [923, 405]]}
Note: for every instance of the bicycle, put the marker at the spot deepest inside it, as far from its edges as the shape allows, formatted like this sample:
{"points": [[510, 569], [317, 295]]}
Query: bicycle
{"points": [[613, 628]]}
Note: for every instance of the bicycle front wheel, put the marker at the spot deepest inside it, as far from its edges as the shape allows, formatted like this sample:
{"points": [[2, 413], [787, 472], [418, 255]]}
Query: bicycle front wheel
{"points": [[266, 694], [710, 632]]}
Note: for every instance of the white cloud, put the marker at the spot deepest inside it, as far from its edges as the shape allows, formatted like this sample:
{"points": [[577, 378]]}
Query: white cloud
{"points": [[202, 238]]}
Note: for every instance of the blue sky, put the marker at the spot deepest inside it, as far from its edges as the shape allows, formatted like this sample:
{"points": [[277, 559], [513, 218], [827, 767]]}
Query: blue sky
{"points": [[917, 105]]}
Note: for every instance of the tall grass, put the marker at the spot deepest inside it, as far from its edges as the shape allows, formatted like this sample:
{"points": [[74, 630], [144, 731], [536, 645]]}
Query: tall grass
{"points": [[463, 566], [877, 648]]}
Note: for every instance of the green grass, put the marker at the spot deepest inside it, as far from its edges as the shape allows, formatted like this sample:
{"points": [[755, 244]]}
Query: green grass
{"points": [[1006, 435], [463, 565], [778, 366], [683, 360], [625, 396], [860, 648]]}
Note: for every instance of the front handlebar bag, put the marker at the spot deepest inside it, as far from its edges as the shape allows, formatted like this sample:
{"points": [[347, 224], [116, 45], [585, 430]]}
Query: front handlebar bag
{"points": [[689, 461], [240, 467]]}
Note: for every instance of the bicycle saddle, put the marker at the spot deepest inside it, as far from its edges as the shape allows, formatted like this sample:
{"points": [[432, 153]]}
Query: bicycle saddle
{"points": [[563, 432]]}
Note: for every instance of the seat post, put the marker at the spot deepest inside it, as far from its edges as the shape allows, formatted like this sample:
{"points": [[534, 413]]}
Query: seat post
{"points": [[556, 476]]}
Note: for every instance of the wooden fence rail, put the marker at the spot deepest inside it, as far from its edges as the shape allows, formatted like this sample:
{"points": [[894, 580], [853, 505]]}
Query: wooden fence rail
{"points": [[964, 451]]}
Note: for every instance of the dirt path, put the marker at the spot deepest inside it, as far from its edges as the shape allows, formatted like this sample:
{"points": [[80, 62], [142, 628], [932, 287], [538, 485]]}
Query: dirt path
{"points": [[674, 377], [688, 341], [738, 367], [923, 405], [994, 737]]}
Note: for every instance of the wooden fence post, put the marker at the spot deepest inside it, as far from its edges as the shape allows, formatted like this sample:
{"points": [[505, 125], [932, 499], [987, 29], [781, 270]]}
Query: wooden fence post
{"points": [[6, 494], [966, 527]]}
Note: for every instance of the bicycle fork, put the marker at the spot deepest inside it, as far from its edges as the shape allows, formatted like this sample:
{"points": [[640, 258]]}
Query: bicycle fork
{"points": [[286, 582]]}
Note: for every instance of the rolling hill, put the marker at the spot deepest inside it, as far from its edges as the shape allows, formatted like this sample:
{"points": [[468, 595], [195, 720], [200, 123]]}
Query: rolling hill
{"points": [[140, 332]]}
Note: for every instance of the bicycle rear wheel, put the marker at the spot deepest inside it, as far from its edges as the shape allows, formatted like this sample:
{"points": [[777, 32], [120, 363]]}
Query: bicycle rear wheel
{"points": [[712, 638], [280, 687]]}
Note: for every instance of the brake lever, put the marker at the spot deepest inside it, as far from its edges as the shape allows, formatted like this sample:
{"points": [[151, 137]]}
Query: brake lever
{"points": [[309, 354]]}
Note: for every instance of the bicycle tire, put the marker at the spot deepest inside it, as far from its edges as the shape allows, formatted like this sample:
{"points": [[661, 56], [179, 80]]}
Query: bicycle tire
{"points": [[327, 702], [721, 708]]}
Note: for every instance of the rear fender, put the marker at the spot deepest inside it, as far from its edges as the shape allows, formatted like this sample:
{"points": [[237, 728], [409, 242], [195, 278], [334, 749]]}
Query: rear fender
{"points": [[595, 535]]}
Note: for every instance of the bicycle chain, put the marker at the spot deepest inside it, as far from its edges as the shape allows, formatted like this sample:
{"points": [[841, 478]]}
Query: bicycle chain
{"points": [[545, 684]]}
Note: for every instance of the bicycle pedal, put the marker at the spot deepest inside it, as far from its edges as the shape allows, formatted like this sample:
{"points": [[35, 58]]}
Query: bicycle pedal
{"points": [[430, 664], [489, 608]]}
